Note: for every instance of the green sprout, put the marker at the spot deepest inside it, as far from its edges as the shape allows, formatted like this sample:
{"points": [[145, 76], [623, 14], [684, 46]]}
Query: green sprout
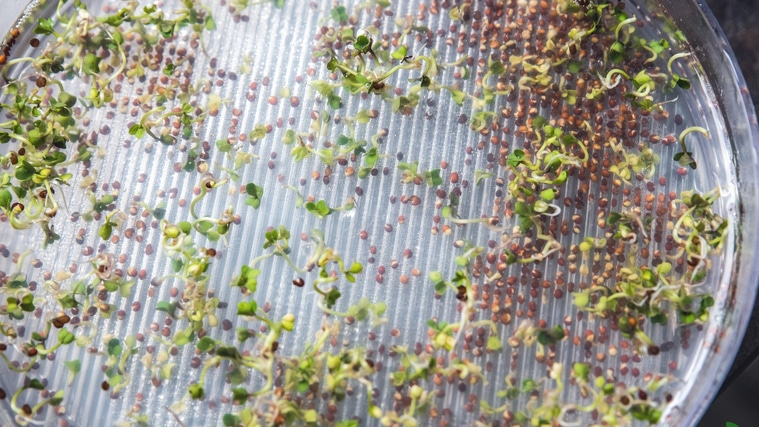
{"points": [[685, 157]]}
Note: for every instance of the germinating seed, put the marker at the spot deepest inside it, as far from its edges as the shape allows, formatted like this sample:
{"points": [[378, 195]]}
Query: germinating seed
{"points": [[557, 115]]}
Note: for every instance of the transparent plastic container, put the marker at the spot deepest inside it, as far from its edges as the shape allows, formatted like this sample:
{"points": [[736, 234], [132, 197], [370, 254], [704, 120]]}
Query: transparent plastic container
{"points": [[260, 69]]}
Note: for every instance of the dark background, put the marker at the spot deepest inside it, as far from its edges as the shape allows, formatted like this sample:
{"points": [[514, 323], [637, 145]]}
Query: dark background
{"points": [[738, 401]]}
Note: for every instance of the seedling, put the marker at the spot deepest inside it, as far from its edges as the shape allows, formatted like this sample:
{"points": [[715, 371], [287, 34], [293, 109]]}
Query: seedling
{"points": [[685, 157]]}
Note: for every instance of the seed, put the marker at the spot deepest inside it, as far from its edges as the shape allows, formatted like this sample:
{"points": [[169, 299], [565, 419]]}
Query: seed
{"points": [[61, 320]]}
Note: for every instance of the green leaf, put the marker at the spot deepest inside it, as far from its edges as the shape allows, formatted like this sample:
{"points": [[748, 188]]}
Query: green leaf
{"points": [[515, 158], [400, 53], [681, 82], [236, 376], [659, 319], [196, 391], [210, 24], [334, 101], [65, 337], [574, 66], [5, 199], [333, 64], [105, 231], [27, 303], [613, 218], [35, 384], [706, 302], [258, 133], [433, 178], [74, 366], [247, 308], [45, 26], [362, 44], [255, 193], [687, 317], [184, 226], [551, 336], [289, 137], [458, 95], [580, 299], [355, 268], [339, 14], [239, 395], [581, 370], [645, 412], [539, 122], [331, 298], [91, 64], [494, 343], [168, 69], [658, 46], [183, 337], [344, 140], [248, 278], [223, 145], [114, 347], [166, 307], [320, 208], [685, 158], [206, 344], [57, 398], [231, 420], [25, 171], [496, 67]]}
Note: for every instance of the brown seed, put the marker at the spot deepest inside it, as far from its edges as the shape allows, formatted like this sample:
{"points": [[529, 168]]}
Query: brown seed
{"points": [[105, 386], [61, 320]]}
